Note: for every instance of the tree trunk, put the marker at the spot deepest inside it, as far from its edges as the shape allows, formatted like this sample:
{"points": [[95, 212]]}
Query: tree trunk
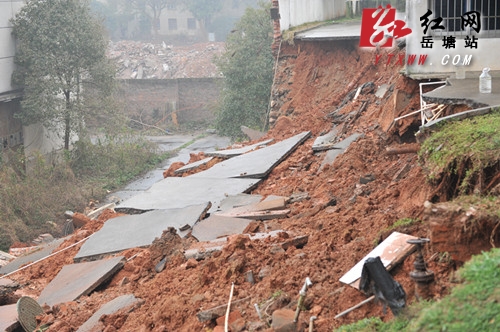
{"points": [[67, 121], [156, 22]]}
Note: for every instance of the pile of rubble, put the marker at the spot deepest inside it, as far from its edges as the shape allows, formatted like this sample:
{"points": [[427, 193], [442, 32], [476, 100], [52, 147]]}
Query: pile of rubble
{"points": [[139, 60]]}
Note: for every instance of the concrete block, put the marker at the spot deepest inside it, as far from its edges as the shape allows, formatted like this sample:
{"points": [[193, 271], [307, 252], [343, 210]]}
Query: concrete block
{"points": [[255, 164], [187, 191], [139, 230], [113, 306], [80, 279], [218, 226]]}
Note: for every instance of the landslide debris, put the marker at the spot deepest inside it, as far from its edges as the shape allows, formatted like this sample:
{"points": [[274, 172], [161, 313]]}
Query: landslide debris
{"points": [[346, 208], [139, 60]]}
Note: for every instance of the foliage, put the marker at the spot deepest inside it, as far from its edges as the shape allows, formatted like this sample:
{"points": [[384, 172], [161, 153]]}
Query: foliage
{"points": [[204, 10], [89, 172], [60, 55], [28, 202], [153, 9], [116, 17], [247, 66], [112, 161], [462, 149], [471, 306]]}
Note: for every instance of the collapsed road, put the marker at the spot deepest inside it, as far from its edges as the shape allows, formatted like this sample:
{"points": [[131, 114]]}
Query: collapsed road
{"points": [[333, 214]]}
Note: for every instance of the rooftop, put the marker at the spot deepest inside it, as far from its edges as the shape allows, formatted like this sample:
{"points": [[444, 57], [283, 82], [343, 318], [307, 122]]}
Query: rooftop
{"points": [[332, 31]]}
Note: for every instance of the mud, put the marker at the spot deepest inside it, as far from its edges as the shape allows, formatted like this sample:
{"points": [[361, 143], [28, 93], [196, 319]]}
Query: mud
{"points": [[343, 216]]}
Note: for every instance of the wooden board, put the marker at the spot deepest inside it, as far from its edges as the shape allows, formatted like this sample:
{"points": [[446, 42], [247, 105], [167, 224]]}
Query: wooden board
{"points": [[392, 251]]}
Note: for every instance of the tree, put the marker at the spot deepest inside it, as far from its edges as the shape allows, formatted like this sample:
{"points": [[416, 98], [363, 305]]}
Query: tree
{"points": [[153, 8], [116, 16], [60, 57], [247, 67], [203, 10]]}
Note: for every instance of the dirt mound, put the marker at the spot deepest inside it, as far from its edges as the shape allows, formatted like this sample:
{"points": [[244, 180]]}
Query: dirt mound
{"points": [[347, 208]]}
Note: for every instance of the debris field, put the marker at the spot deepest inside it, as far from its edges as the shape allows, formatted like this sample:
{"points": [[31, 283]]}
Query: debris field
{"points": [[263, 229]]}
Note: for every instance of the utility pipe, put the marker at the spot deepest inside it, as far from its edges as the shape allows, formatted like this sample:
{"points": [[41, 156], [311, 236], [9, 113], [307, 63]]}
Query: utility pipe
{"points": [[302, 295]]}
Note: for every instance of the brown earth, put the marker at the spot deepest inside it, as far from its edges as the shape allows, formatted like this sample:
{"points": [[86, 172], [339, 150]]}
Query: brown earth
{"points": [[343, 218]]}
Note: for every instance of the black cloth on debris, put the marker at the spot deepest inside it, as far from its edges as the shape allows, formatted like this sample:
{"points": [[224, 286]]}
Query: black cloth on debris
{"points": [[375, 280]]}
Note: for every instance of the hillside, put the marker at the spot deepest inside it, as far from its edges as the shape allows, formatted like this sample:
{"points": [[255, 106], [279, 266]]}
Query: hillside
{"points": [[352, 205]]}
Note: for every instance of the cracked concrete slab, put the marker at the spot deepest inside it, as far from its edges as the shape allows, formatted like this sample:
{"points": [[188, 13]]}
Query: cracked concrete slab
{"points": [[140, 230], [44, 251], [111, 307], [327, 141], [194, 165], [238, 200], [218, 226], [255, 164], [338, 149], [79, 279], [391, 252], [201, 250], [175, 192], [229, 153]]}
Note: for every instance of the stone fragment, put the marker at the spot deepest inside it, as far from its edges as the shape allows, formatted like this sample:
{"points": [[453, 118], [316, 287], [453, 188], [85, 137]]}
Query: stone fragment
{"points": [[282, 321]]}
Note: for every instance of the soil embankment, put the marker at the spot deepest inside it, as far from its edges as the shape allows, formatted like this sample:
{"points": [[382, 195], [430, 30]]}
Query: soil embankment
{"points": [[351, 205]]}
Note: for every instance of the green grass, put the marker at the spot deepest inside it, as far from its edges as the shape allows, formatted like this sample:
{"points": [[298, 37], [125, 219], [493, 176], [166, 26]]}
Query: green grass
{"points": [[474, 305], [31, 199], [476, 139], [112, 162], [398, 225]]}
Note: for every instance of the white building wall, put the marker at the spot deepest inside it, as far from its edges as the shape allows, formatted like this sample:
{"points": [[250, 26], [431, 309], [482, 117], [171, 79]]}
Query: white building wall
{"points": [[486, 55], [296, 12], [8, 9], [36, 138]]}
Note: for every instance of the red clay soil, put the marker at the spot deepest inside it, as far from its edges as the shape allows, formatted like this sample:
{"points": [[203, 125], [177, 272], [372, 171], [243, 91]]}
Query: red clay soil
{"points": [[343, 218]]}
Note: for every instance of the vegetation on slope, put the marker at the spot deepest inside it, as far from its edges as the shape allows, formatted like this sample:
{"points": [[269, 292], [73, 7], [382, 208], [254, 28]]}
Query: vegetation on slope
{"points": [[463, 157], [247, 67], [472, 306], [34, 202]]}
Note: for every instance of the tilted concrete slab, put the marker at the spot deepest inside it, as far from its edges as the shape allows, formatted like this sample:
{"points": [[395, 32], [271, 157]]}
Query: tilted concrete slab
{"points": [[327, 141], [229, 153], [194, 165], [79, 279], [338, 149], [8, 318], [255, 164], [44, 251], [233, 201], [140, 230], [5, 258], [113, 306], [264, 210], [391, 252], [218, 226], [174, 193], [201, 250]]}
